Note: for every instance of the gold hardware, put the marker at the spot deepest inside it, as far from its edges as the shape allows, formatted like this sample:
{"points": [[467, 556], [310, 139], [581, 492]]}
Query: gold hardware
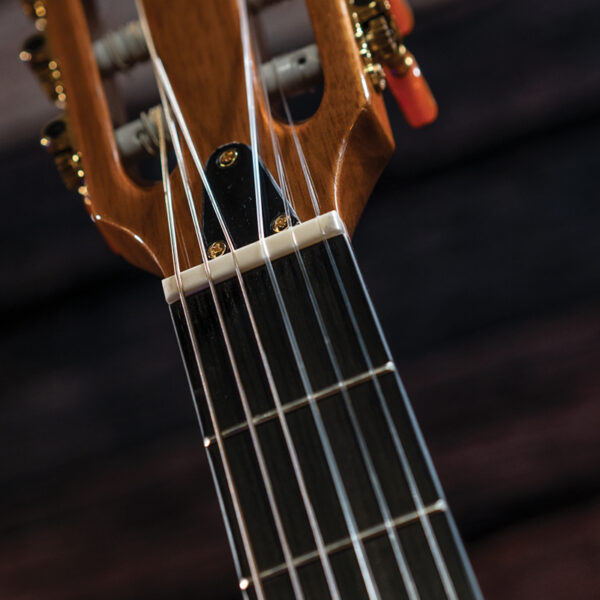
{"points": [[36, 54], [280, 223], [36, 10], [227, 158], [56, 140], [379, 40], [217, 249]]}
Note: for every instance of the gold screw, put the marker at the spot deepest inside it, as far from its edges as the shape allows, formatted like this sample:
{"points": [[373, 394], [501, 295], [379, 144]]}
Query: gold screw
{"points": [[279, 224], [227, 158], [217, 249]]}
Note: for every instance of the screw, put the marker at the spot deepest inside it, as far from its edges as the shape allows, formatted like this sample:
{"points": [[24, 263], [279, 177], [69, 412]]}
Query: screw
{"points": [[217, 249], [279, 223], [227, 158]]}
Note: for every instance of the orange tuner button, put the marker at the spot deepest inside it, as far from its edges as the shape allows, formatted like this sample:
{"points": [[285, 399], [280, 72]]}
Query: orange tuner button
{"points": [[403, 15], [412, 93]]}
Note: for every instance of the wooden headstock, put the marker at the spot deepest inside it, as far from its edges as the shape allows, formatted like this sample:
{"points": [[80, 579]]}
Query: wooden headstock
{"points": [[346, 143]]}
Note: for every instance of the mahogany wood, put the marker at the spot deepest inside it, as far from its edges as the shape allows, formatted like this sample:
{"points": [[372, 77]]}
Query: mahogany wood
{"points": [[347, 142]]}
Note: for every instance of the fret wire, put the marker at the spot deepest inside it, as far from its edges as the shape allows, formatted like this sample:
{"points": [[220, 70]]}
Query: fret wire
{"points": [[440, 506], [327, 392]]}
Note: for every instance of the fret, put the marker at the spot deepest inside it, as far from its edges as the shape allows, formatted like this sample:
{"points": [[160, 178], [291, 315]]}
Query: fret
{"points": [[389, 367], [438, 507], [425, 537]]}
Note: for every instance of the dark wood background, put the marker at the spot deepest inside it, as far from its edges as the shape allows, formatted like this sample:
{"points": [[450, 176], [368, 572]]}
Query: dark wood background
{"points": [[481, 250]]}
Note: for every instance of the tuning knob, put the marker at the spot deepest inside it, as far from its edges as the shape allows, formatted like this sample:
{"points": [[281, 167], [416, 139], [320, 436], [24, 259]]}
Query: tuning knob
{"points": [[36, 54], [57, 141], [411, 91], [403, 15]]}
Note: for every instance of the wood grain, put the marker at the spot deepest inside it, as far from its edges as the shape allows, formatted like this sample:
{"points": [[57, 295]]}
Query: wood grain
{"points": [[346, 143], [486, 274]]}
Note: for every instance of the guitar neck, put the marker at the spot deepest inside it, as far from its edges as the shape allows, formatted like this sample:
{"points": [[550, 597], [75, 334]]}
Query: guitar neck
{"points": [[324, 481]]}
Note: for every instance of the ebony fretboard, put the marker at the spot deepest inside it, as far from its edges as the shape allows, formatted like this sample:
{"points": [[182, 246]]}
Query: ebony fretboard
{"points": [[416, 552]]}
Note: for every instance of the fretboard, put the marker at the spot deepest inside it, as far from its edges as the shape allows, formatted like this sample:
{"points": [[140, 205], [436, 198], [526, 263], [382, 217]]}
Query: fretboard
{"points": [[325, 483]]}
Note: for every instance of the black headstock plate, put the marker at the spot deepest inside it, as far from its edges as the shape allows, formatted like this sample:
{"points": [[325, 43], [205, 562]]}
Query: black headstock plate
{"points": [[230, 174]]}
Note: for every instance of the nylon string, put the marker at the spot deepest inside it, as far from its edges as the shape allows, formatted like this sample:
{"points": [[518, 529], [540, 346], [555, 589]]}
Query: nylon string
{"points": [[343, 499], [363, 446], [166, 89], [161, 78], [165, 86], [416, 495], [177, 269]]}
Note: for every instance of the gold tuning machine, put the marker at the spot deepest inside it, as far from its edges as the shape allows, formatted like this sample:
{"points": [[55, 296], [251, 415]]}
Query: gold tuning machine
{"points": [[36, 10], [379, 29], [37, 55], [56, 139]]}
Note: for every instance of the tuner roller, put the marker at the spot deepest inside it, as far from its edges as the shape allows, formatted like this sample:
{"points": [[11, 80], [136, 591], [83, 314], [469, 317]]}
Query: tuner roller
{"points": [[57, 142], [121, 49], [139, 138], [291, 74]]}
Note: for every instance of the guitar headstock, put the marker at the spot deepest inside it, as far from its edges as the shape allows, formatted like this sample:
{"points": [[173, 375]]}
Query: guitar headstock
{"points": [[346, 143]]}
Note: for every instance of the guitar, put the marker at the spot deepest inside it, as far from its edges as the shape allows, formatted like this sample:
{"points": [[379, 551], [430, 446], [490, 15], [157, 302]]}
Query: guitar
{"points": [[325, 484]]}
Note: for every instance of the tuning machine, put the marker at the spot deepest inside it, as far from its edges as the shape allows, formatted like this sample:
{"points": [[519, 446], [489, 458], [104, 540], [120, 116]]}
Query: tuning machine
{"points": [[36, 10], [56, 139], [379, 27], [37, 55]]}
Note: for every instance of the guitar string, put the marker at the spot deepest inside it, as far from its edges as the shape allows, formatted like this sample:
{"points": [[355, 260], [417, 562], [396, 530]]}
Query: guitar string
{"points": [[164, 87], [313, 522], [168, 89], [177, 270], [359, 550], [268, 485], [164, 78], [415, 492], [383, 505], [259, 220], [231, 357]]}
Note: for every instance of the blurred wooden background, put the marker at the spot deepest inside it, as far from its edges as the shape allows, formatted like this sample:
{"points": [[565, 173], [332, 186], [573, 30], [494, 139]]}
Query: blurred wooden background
{"points": [[481, 249]]}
